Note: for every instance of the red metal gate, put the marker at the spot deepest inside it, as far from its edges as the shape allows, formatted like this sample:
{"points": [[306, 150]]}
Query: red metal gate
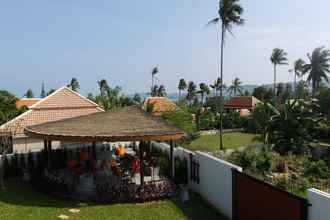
{"points": [[257, 200]]}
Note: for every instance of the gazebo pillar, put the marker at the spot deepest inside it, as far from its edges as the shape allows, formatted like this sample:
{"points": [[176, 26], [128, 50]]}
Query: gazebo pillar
{"points": [[141, 146], [172, 160]]}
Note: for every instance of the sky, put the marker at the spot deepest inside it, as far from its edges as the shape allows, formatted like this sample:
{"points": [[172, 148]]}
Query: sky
{"points": [[51, 41]]}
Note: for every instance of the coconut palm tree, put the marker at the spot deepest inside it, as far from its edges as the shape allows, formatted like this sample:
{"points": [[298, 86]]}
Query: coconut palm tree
{"points": [[278, 57], [204, 90], [235, 87], [104, 87], [182, 86], [191, 92], [230, 12], [297, 70], [74, 84], [154, 71], [161, 92], [318, 68], [216, 86]]}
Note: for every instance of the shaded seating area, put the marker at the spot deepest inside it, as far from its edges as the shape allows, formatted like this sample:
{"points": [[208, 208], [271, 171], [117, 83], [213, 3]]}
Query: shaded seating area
{"points": [[111, 160]]}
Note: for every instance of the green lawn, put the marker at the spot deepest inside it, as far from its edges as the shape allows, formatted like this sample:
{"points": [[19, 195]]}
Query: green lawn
{"points": [[20, 201], [232, 140]]}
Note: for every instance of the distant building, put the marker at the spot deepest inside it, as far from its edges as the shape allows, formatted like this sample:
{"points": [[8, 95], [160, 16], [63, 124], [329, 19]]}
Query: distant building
{"points": [[62, 104], [242, 104], [160, 105]]}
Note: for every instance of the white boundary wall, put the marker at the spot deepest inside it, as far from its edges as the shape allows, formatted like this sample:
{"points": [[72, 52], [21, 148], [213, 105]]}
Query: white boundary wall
{"points": [[215, 184], [320, 205]]}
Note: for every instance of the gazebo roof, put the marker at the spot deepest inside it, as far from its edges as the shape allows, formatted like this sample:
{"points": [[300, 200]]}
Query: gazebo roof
{"points": [[124, 124]]}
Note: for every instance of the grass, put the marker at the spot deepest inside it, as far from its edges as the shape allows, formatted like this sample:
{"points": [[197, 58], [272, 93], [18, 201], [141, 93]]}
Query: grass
{"points": [[211, 143], [20, 201]]}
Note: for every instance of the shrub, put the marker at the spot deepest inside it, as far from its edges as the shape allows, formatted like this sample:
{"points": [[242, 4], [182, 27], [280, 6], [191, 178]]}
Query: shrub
{"points": [[318, 169], [207, 121]]}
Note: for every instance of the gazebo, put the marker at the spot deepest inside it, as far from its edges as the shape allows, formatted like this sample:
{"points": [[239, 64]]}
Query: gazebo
{"points": [[127, 124]]}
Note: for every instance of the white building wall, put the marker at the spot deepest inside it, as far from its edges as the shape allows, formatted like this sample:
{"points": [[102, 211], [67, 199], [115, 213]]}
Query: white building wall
{"points": [[320, 205], [215, 184]]}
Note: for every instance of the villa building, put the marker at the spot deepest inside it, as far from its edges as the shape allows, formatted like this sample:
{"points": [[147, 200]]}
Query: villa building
{"points": [[64, 103]]}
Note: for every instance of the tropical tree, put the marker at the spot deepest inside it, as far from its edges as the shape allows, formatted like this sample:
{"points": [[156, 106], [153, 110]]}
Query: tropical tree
{"points": [[235, 87], [104, 87], [298, 69], [216, 86], [43, 92], [182, 86], [74, 84], [263, 93], [50, 91], [318, 68], [204, 91], [278, 57], [191, 92], [292, 127], [154, 72], [230, 12], [137, 98], [161, 92], [302, 90], [29, 94]]}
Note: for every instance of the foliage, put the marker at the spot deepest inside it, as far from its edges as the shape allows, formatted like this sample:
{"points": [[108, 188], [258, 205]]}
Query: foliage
{"points": [[207, 121], [191, 93], [292, 126], [183, 120], [317, 169], [204, 91], [158, 91], [181, 87], [74, 84], [233, 120], [43, 92], [260, 117], [235, 87], [29, 94], [278, 57], [302, 90], [253, 159], [318, 68], [7, 106], [263, 93]]}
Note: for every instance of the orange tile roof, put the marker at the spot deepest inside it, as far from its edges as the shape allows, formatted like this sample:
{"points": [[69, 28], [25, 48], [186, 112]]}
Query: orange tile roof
{"points": [[160, 105], [62, 104], [26, 102], [242, 102]]}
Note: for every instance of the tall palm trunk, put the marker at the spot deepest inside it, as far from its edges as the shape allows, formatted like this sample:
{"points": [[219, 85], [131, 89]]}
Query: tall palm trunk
{"points": [[179, 94], [295, 85], [275, 95], [221, 85], [152, 85]]}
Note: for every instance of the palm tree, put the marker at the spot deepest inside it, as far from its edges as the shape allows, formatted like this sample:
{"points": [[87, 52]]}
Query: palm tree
{"points": [[154, 71], [216, 86], [230, 12], [297, 70], [318, 68], [204, 90], [161, 92], [29, 94], [235, 87], [191, 92], [278, 57], [74, 84], [43, 92], [104, 87], [182, 86]]}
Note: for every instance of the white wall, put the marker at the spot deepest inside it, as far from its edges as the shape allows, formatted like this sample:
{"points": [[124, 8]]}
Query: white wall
{"points": [[215, 184], [320, 205], [27, 144]]}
